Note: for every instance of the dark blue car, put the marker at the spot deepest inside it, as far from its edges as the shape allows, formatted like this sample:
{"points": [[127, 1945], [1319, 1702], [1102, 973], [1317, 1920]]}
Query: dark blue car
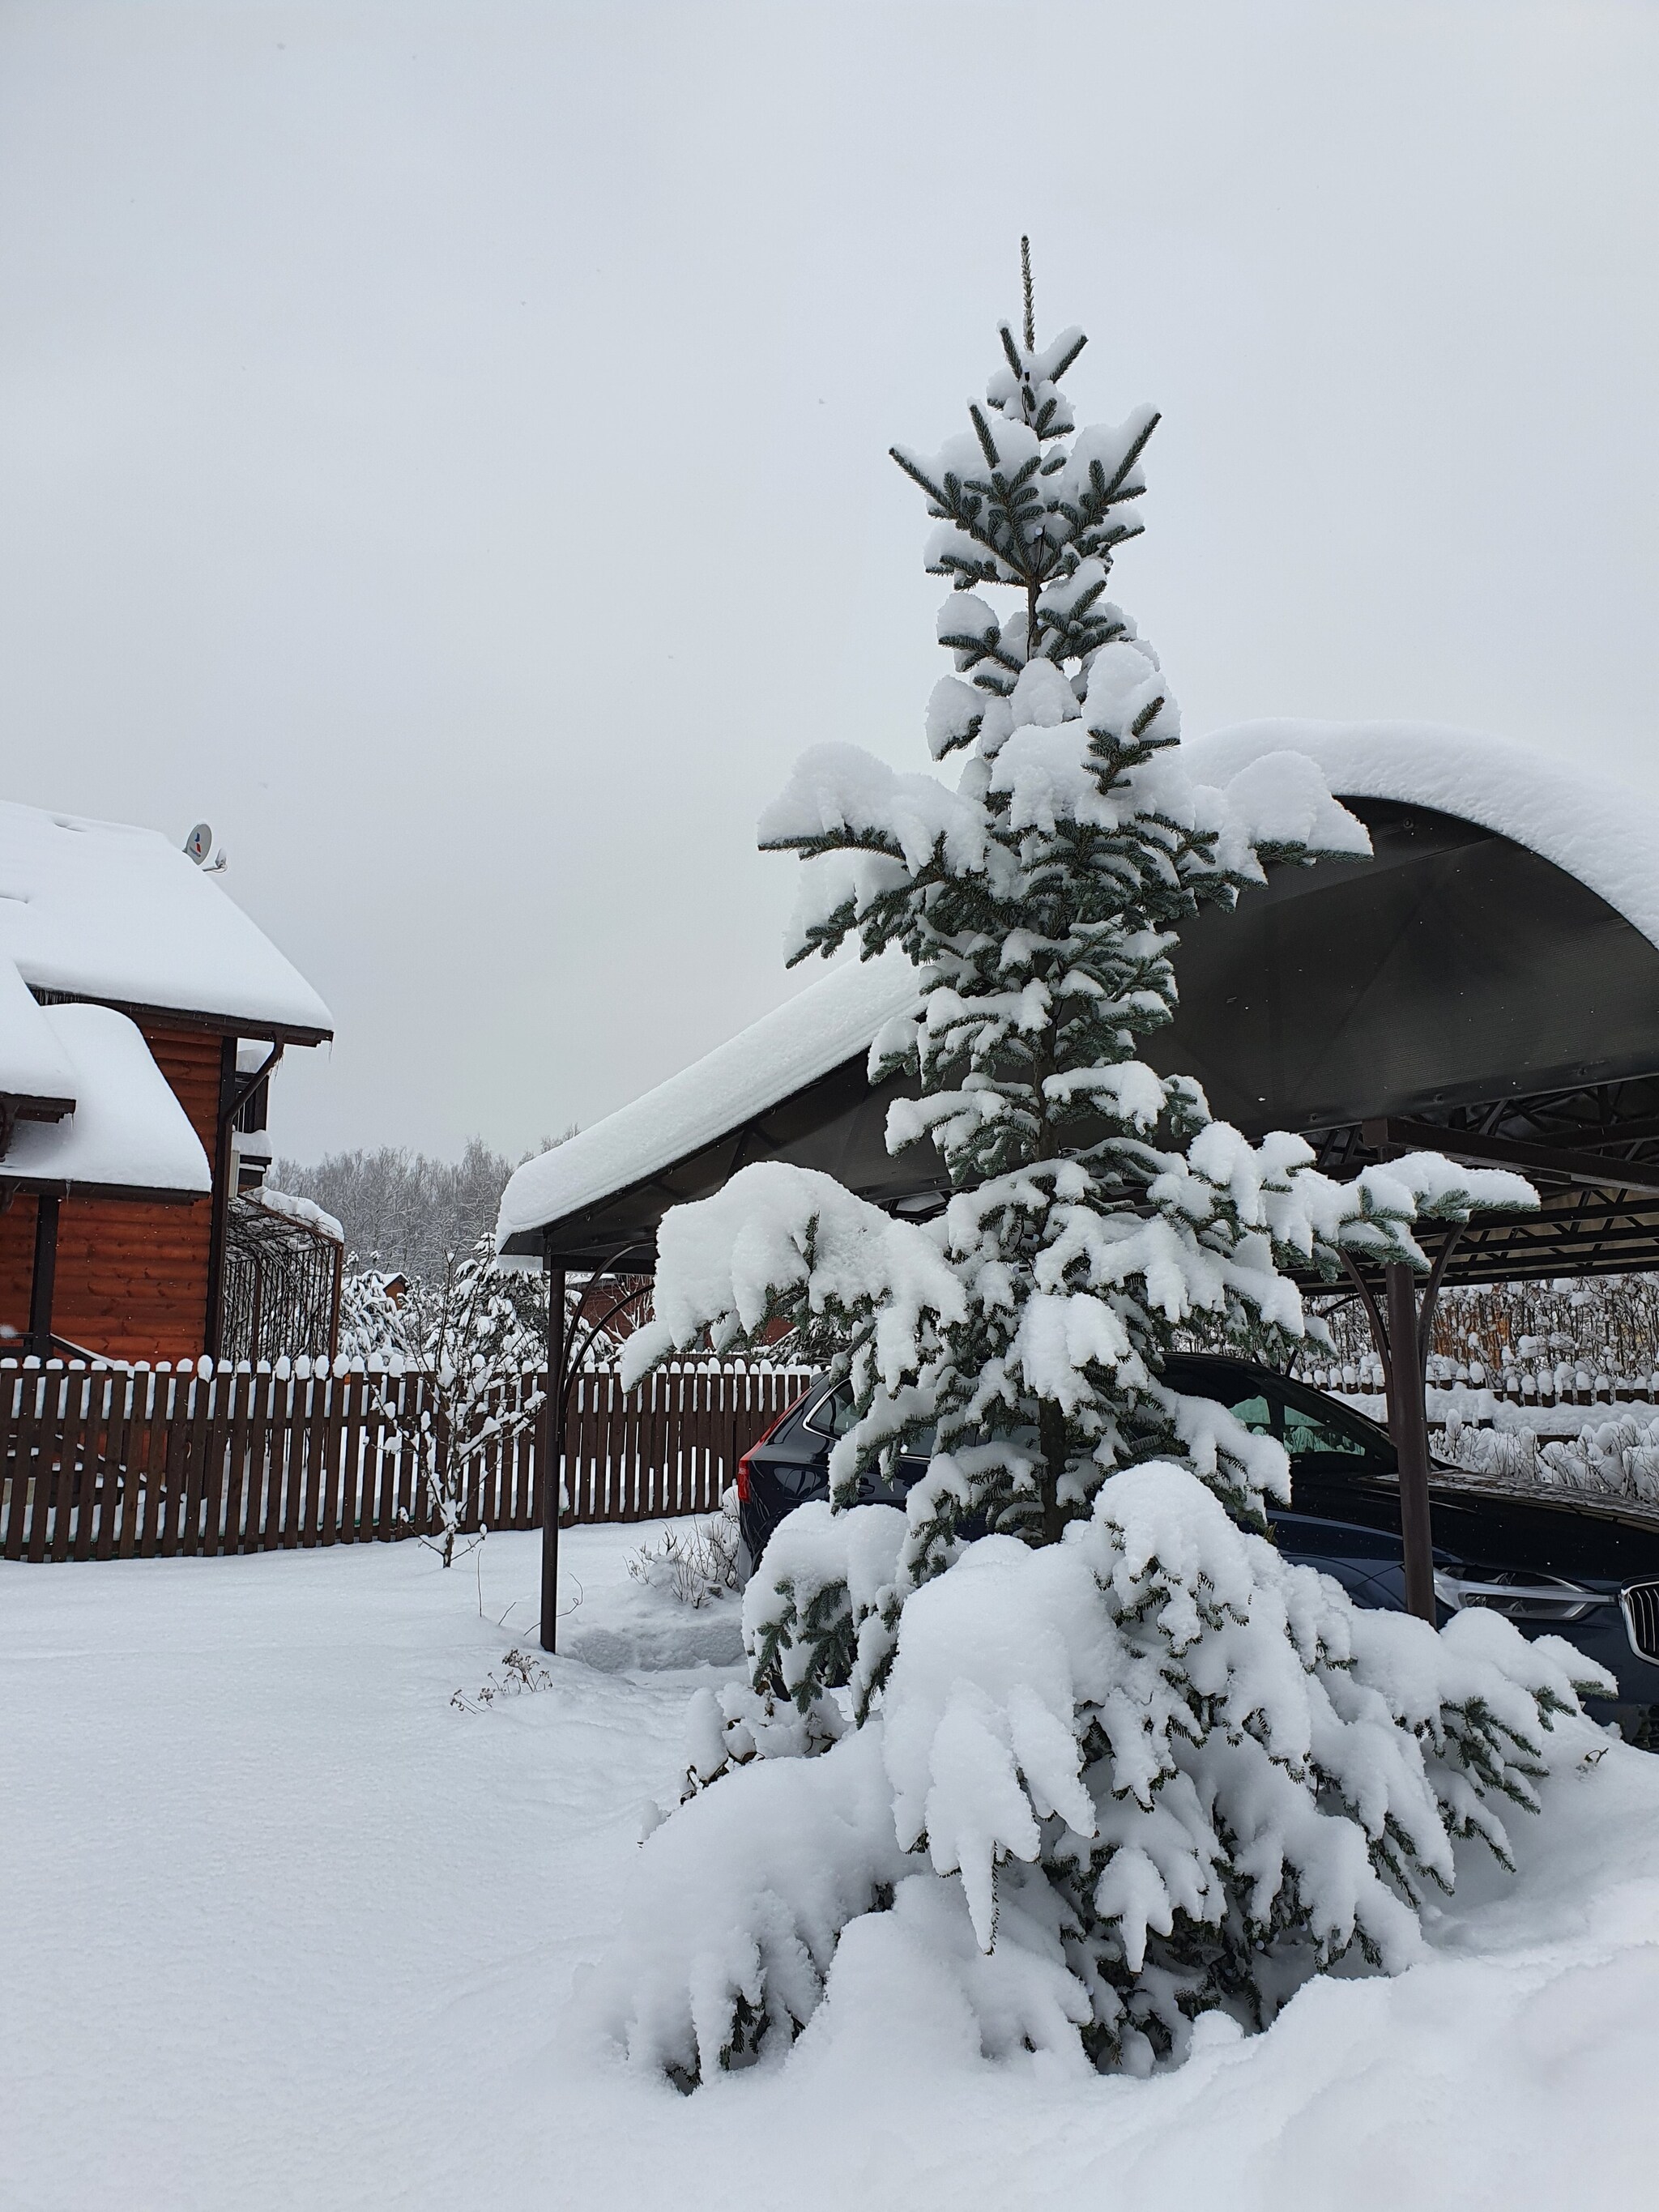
{"points": [[1558, 1566]]}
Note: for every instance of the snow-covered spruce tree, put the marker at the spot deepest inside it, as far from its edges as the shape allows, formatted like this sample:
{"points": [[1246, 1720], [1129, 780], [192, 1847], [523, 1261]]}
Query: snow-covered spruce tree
{"points": [[1091, 1750]]}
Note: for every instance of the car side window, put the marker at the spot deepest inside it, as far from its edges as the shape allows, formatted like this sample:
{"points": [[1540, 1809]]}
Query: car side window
{"points": [[1309, 1434], [832, 1416], [1257, 1413]]}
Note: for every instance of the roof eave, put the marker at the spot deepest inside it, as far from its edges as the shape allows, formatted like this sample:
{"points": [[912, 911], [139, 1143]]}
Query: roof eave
{"points": [[34, 1106], [195, 1018], [62, 1186]]}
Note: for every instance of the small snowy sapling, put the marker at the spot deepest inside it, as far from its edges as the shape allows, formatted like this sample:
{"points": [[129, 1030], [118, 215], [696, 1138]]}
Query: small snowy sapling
{"points": [[472, 1339], [1069, 1727]]}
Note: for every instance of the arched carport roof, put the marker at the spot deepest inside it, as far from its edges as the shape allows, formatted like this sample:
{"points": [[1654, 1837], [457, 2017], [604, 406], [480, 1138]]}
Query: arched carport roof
{"points": [[1487, 984]]}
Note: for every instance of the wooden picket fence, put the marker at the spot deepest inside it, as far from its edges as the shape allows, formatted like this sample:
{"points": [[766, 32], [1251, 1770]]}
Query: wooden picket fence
{"points": [[101, 1463]]}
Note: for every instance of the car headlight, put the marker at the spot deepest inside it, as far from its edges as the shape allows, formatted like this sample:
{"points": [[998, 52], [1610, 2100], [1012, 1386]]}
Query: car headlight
{"points": [[1519, 1594]]}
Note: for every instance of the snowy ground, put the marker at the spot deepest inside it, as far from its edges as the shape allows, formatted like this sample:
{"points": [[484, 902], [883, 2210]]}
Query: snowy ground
{"points": [[284, 1928]]}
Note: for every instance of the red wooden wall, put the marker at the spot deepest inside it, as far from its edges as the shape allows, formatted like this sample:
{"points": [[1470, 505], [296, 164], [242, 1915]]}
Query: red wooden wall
{"points": [[132, 1278]]}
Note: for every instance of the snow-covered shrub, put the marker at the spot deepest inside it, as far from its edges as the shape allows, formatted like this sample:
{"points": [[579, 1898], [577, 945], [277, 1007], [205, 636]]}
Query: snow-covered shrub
{"points": [[522, 1674], [744, 1894], [696, 1560], [1618, 1458], [471, 1344], [1155, 1769], [818, 1617], [1501, 1455], [1070, 1718], [374, 1328]]}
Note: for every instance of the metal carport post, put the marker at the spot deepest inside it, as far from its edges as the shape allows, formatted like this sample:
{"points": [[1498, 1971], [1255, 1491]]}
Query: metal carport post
{"points": [[552, 1450]]}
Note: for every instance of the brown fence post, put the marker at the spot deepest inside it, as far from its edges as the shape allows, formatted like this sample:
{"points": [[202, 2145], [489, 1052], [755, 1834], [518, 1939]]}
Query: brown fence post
{"points": [[13, 1476], [71, 1447], [114, 1473], [48, 1454]]}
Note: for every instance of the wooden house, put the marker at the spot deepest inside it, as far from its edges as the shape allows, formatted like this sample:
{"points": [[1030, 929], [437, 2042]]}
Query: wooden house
{"points": [[142, 1015]]}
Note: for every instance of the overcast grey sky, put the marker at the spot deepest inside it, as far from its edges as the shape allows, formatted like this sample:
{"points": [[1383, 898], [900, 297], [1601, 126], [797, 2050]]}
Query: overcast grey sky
{"points": [[445, 446]]}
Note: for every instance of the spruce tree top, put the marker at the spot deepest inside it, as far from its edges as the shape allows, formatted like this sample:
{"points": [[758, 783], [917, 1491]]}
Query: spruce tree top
{"points": [[1018, 507], [1097, 1210]]}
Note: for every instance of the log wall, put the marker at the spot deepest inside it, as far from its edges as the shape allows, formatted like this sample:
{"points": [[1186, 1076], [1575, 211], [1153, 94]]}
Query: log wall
{"points": [[132, 1277]]}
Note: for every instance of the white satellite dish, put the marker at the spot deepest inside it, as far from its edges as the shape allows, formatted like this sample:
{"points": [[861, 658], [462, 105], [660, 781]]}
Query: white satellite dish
{"points": [[199, 843]]}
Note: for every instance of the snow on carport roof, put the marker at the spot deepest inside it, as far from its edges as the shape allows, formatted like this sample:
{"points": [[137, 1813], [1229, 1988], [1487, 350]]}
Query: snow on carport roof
{"points": [[102, 910], [1591, 827], [798, 1041], [127, 1132]]}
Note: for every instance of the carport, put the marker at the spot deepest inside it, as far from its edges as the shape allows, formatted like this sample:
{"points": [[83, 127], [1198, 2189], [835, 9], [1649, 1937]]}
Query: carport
{"points": [[1487, 986]]}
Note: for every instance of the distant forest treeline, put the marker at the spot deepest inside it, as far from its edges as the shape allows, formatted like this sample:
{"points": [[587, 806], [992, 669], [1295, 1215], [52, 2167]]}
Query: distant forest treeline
{"points": [[404, 1211]]}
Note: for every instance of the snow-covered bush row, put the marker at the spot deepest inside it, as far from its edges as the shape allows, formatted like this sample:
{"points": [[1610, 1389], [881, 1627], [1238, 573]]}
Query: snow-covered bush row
{"points": [[1069, 1720], [1541, 1385], [1618, 1458]]}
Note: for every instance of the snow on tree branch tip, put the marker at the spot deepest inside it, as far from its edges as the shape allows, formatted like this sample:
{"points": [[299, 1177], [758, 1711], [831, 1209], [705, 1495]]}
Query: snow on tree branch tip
{"points": [[726, 1263]]}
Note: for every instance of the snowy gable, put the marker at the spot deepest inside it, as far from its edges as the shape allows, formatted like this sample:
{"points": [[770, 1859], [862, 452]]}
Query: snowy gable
{"points": [[101, 910], [1591, 826], [831, 1021], [128, 1132], [32, 1064]]}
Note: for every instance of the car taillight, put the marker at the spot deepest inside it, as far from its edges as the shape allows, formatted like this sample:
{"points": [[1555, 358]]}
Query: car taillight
{"points": [[746, 1470]]}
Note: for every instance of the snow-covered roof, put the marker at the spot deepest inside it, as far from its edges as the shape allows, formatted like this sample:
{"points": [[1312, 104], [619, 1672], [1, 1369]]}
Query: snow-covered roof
{"points": [[1591, 825], [102, 910], [128, 1132], [32, 1064], [302, 1210], [816, 1030]]}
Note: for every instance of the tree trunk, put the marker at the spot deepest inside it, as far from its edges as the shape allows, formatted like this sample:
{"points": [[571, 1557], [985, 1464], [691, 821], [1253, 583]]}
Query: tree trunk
{"points": [[1051, 1431]]}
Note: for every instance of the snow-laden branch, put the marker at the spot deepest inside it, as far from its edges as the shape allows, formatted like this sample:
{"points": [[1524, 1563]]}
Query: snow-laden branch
{"points": [[1105, 767], [788, 1240], [787, 1243]]}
